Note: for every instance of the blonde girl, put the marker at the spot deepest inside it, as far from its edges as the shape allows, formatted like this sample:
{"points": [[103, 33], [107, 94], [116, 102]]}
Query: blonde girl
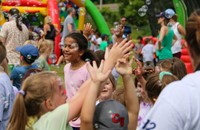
{"points": [[45, 48], [42, 97]]}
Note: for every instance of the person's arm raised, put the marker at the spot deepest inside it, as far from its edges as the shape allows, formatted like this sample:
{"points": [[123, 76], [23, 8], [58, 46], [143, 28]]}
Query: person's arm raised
{"points": [[124, 67], [97, 77], [117, 51], [87, 31]]}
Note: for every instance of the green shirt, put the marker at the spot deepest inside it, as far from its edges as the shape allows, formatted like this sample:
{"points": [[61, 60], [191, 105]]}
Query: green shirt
{"points": [[165, 52], [54, 120], [42, 64], [103, 45]]}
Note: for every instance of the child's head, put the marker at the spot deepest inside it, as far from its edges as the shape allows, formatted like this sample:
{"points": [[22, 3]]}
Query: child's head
{"points": [[157, 82], [164, 65], [97, 34], [2, 52], [40, 93], [76, 48], [29, 53], [110, 115], [147, 40], [139, 38], [45, 47], [47, 20], [175, 66], [141, 93], [104, 37], [109, 87], [178, 68]]}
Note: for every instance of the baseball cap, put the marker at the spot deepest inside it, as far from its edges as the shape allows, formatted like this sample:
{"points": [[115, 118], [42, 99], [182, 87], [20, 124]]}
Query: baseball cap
{"points": [[110, 115], [161, 14], [29, 51], [169, 13]]}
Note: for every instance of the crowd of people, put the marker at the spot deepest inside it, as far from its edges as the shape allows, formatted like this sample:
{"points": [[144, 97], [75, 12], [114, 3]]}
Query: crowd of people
{"points": [[157, 92]]}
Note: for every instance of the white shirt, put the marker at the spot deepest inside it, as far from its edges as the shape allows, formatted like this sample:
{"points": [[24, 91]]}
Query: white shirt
{"points": [[177, 45], [99, 40], [148, 52], [177, 107]]}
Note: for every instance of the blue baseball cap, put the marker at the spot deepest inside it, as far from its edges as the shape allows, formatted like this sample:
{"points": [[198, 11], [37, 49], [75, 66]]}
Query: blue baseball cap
{"points": [[29, 51], [169, 13]]}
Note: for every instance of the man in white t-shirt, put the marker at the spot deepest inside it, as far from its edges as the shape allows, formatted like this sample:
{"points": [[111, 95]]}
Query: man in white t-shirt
{"points": [[97, 41]]}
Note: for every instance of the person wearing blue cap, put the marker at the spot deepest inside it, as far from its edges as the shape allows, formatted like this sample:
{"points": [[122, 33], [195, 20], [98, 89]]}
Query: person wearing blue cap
{"points": [[165, 37], [28, 54], [179, 31]]}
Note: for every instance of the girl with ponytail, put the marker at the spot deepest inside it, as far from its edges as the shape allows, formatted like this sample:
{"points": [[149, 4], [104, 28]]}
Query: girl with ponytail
{"points": [[14, 33]]}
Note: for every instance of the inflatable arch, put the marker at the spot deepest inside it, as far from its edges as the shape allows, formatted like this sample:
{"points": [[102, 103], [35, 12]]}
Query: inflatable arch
{"points": [[50, 7]]}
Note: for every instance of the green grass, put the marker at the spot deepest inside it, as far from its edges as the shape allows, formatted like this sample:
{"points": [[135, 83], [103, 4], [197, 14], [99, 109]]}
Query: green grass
{"points": [[60, 72]]}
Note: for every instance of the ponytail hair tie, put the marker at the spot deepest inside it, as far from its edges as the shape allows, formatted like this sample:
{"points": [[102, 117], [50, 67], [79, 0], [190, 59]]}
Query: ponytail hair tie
{"points": [[164, 73], [21, 92]]}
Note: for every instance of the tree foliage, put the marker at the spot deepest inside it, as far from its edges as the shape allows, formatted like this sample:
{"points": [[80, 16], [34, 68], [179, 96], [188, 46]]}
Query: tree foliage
{"points": [[129, 9]]}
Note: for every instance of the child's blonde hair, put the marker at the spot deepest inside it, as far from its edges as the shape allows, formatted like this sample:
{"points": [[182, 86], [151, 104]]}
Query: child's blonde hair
{"points": [[36, 89], [44, 46], [47, 19]]}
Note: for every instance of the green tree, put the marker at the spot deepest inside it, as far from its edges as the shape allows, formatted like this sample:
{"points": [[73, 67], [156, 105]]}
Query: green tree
{"points": [[129, 9]]}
